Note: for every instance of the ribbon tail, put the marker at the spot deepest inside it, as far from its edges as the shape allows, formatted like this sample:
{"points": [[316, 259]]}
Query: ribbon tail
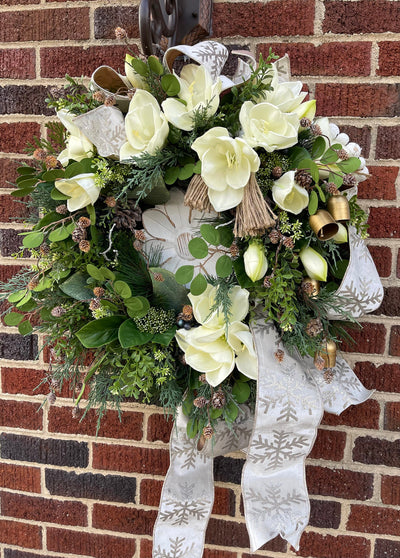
{"points": [[288, 413], [186, 500]]}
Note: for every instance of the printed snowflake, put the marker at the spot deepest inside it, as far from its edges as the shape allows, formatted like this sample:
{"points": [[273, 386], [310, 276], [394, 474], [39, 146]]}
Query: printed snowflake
{"points": [[281, 448], [176, 550]]}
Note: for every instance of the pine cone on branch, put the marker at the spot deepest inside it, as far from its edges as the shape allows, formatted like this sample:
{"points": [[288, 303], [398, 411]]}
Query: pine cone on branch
{"points": [[127, 217]]}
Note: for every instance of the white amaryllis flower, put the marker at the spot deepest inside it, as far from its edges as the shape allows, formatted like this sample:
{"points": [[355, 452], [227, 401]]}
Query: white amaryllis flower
{"points": [[288, 195], [314, 264], [332, 136], [265, 125], [214, 349], [81, 189], [286, 95], [198, 91], [78, 147], [170, 227], [255, 261], [146, 126], [226, 165]]}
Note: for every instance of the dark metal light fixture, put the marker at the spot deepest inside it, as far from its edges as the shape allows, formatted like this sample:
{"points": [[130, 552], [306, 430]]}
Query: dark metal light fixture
{"points": [[177, 21]]}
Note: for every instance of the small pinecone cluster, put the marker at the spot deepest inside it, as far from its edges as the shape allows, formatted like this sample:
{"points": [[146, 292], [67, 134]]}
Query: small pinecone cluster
{"points": [[303, 179], [288, 242], [58, 311], [128, 216], [157, 320], [200, 402], [95, 304], [33, 283], [275, 236], [349, 180], [208, 432], [79, 234], [307, 287], [314, 327], [332, 189], [218, 399]]}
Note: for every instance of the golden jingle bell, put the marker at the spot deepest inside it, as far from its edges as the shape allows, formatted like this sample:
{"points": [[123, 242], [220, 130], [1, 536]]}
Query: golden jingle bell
{"points": [[328, 354], [338, 207], [323, 225]]}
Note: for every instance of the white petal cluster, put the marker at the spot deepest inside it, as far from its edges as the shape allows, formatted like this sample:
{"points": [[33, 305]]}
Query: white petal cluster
{"points": [[78, 147], [81, 189], [288, 195]]}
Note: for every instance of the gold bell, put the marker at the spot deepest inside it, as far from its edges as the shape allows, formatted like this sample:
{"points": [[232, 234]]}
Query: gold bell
{"points": [[314, 289], [323, 225], [328, 353], [338, 207]]}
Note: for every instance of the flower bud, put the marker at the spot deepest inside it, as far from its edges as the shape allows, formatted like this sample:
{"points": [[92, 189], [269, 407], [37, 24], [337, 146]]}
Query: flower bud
{"points": [[341, 236], [255, 261], [314, 264]]}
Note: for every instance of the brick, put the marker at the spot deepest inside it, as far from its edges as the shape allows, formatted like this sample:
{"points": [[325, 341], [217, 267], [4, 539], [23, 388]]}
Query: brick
{"points": [[382, 256], [386, 549], [129, 427], [19, 477], [146, 548], [10, 243], [65, 453], [150, 492], [257, 19], [328, 59], [389, 58], [8, 171], [19, 2], [394, 341], [390, 490], [11, 553], [10, 208], [385, 377], [391, 302], [375, 451], [209, 553], [356, 99], [14, 136], [361, 17], [108, 18], [362, 136], [45, 25], [357, 416], [325, 514], [230, 533], [20, 414], [227, 469], [8, 271], [23, 380], [16, 347], [89, 544], [123, 520], [339, 483], [398, 265], [370, 339], [371, 519], [78, 61], [20, 534], [159, 428], [392, 416], [110, 488], [388, 142], [17, 63], [46, 510], [24, 99], [329, 444], [328, 546], [381, 185], [130, 459]]}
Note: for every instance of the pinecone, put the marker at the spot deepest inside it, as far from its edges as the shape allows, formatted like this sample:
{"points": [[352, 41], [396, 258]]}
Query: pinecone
{"points": [[51, 398], [234, 250], [57, 311], [84, 222], [78, 234], [110, 201], [140, 235], [319, 362], [349, 180], [33, 283], [200, 402], [39, 154], [328, 375], [307, 287], [127, 217], [99, 96], [109, 101], [305, 122], [343, 155], [51, 162], [203, 378], [208, 432], [98, 292], [316, 130], [274, 236], [218, 399], [314, 327], [303, 178], [44, 249], [84, 245], [288, 242], [187, 312], [55, 384], [279, 355], [62, 209], [277, 172], [332, 188], [95, 304], [267, 281]]}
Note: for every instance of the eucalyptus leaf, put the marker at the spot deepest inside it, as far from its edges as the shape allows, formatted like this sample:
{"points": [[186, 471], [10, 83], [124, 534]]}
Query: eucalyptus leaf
{"points": [[198, 248], [313, 203], [52, 175], [122, 289], [192, 427], [171, 175], [321, 193], [100, 332], [74, 169], [225, 236], [33, 239], [241, 391], [210, 234], [139, 66], [137, 306], [108, 274], [297, 154], [22, 192], [198, 285], [56, 195], [231, 411], [48, 219], [13, 318], [28, 306], [61, 233], [25, 170], [170, 85], [18, 295], [349, 165], [24, 300], [95, 272], [155, 65], [318, 147], [330, 156], [184, 274], [27, 182], [223, 267], [44, 283], [25, 328], [186, 171]]}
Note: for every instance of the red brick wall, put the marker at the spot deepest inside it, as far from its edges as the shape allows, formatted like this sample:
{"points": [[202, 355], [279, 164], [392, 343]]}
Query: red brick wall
{"points": [[65, 492]]}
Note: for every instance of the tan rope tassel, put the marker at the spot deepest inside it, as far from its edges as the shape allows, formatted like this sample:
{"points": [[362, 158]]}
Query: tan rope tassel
{"points": [[196, 196], [253, 214]]}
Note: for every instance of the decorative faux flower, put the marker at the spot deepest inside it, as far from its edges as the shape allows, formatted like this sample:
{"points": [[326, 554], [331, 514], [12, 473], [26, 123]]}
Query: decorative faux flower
{"points": [[81, 189], [341, 236], [314, 264], [226, 165], [133, 77], [198, 91], [78, 147], [171, 227], [285, 95], [255, 261], [288, 195], [214, 349], [264, 125], [146, 126]]}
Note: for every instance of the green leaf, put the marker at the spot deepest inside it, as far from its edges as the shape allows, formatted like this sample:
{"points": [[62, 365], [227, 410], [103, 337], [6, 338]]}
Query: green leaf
{"points": [[192, 427], [336, 179], [231, 411], [48, 220], [130, 336], [187, 405], [28, 306], [25, 170], [155, 65], [184, 274], [100, 332], [13, 319], [137, 306], [108, 274], [24, 300], [311, 167], [44, 283], [171, 175], [52, 175], [27, 182], [158, 195], [241, 275], [33, 239], [241, 391], [74, 169], [170, 85], [198, 285], [57, 195], [223, 267], [21, 193], [139, 66], [198, 248], [350, 165], [197, 168], [25, 328], [59, 234], [330, 156], [186, 171], [18, 295], [164, 338], [339, 269], [215, 413], [318, 147], [313, 203], [225, 236], [76, 287], [210, 234], [122, 289], [95, 272], [321, 193], [168, 293], [297, 154]]}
